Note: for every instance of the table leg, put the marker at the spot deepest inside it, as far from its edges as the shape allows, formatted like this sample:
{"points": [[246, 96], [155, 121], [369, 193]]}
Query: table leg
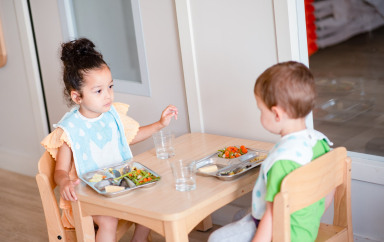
{"points": [[85, 231], [175, 231], [205, 224]]}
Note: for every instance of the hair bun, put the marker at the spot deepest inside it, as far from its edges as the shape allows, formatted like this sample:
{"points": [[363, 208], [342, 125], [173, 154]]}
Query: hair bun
{"points": [[75, 50]]}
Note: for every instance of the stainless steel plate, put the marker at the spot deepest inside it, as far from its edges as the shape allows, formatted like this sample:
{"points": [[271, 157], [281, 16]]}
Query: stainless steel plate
{"points": [[229, 169], [99, 186]]}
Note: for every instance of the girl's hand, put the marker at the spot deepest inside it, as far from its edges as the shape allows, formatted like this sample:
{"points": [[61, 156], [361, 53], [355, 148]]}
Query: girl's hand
{"points": [[167, 114], [67, 189]]}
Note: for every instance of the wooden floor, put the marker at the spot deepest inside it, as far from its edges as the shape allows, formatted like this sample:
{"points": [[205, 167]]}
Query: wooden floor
{"points": [[22, 216]]}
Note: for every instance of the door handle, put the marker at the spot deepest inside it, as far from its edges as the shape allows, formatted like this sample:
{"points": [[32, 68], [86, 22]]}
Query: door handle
{"points": [[3, 52]]}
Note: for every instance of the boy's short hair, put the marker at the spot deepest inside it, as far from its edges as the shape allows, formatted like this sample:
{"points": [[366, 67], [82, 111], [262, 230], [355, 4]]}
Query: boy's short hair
{"points": [[289, 85]]}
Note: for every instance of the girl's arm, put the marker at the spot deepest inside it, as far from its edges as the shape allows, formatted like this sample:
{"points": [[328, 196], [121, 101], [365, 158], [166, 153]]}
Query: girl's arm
{"points": [[264, 230], [61, 175], [146, 131]]}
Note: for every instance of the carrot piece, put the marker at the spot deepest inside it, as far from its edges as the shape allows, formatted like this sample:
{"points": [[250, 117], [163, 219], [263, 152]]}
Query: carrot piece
{"points": [[226, 153], [243, 149]]}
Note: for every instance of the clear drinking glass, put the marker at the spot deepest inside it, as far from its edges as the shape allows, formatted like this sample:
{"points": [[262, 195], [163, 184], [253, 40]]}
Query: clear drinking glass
{"points": [[184, 173], [164, 144]]}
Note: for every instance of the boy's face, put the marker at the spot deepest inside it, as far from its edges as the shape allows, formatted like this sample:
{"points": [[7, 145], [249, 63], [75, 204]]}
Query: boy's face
{"points": [[97, 93], [268, 118]]}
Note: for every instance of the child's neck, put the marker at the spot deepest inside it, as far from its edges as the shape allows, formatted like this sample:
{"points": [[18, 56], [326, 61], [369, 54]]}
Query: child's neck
{"points": [[292, 126]]}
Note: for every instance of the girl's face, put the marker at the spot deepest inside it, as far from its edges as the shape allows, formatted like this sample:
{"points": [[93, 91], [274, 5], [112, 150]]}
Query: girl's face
{"points": [[97, 93], [269, 119]]}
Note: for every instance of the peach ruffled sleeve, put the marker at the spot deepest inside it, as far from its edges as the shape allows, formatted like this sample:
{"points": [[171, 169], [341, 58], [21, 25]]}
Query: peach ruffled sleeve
{"points": [[54, 141], [131, 127]]}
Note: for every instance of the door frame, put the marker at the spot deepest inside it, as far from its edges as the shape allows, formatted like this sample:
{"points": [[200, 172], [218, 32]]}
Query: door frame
{"points": [[32, 68]]}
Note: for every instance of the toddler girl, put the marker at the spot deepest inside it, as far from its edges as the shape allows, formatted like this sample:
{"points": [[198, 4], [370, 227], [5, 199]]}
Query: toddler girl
{"points": [[95, 133]]}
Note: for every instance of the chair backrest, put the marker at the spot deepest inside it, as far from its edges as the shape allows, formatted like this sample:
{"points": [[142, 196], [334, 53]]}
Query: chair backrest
{"points": [[310, 183], [46, 185]]}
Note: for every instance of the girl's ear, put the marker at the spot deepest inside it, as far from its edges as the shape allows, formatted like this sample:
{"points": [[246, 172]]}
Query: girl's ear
{"points": [[76, 97]]}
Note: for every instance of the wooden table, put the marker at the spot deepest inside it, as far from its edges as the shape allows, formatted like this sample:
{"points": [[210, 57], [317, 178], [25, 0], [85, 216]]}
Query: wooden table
{"points": [[161, 208]]}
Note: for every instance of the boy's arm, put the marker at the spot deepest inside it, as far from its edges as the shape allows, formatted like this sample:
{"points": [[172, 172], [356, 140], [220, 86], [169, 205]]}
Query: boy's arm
{"points": [[275, 175], [264, 230], [146, 131], [61, 175]]}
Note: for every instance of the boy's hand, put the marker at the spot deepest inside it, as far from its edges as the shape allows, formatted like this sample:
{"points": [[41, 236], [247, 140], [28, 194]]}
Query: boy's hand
{"points": [[167, 114], [67, 189]]}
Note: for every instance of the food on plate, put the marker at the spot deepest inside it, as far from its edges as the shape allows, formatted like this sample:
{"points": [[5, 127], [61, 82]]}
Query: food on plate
{"points": [[112, 188], [208, 169], [258, 158], [126, 177], [97, 177], [231, 152], [139, 177], [232, 172]]}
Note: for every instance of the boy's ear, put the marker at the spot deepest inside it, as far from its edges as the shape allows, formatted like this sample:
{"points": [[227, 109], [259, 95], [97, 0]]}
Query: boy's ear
{"points": [[76, 97], [278, 112]]}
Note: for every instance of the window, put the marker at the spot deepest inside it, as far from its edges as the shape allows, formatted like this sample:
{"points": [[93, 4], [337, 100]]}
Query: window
{"points": [[115, 28], [350, 84]]}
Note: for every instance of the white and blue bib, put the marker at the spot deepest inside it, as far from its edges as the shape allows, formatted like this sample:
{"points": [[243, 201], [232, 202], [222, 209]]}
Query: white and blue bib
{"points": [[297, 147], [97, 142]]}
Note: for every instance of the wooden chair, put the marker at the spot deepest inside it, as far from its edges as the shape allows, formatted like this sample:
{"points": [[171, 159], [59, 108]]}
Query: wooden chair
{"points": [[46, 184], [310, 183]]}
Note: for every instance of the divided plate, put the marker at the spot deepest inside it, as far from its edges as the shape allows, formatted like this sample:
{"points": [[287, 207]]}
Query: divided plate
{"points": [[99, 186], [229, 169]]}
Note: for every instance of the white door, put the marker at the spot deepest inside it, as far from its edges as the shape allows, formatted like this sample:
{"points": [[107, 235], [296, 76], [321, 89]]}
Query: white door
{"points": [[107, 25], [23, 121]]}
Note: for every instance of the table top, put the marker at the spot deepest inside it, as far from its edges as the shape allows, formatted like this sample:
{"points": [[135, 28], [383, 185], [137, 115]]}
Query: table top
{"points": [[162, 201]]}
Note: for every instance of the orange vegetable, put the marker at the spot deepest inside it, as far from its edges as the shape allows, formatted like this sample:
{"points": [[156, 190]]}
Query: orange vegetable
{"points": [[243, 149], [232, 152], [226, 153]]}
